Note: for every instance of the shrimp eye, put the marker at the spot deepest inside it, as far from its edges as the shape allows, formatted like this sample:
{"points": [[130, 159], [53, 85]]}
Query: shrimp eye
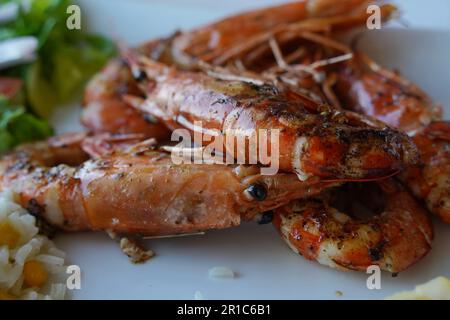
{"points": [[265, 218], [138, 75], [257, 191]]}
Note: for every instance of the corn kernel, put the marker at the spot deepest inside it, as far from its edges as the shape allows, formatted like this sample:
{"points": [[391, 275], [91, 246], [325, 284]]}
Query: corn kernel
{"points": [[34, 274], [9, 236]]}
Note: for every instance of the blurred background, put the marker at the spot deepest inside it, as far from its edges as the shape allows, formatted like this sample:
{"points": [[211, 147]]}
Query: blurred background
{"points": [[191, 13]]}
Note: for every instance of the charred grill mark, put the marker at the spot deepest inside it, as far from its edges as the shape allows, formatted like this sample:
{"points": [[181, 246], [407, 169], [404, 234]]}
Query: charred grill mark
{"points": [[348, 136], [38, 211], [265, 89], [21, 164], [53, 173], [376, 253], [35, 208], [38, 174], [343, 136]]}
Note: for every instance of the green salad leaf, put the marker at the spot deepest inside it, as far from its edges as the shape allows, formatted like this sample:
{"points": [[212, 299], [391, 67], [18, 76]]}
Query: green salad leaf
{"points": [[66, 60], [17, 126]]}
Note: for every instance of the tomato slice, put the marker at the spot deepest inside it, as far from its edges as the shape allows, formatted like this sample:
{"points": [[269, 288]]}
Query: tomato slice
{"points": [[10, 87]]}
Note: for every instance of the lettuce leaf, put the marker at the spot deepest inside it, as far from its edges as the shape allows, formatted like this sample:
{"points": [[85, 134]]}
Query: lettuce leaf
{"points": [[66, 60], [17, 126]]}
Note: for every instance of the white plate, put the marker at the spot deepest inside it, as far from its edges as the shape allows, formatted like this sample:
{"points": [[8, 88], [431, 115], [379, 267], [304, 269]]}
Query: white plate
{"points": [[265, 267]]}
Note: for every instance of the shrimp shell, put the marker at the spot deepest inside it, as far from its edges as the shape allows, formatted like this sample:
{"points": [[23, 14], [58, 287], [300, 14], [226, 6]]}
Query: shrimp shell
{"points": [[314, 140], [140, 193], [394, 240]]}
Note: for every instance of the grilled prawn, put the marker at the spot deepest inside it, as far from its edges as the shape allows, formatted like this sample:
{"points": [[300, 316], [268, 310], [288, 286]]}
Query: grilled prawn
{"points": [[314, 140], [332, 72], [245, 36], [217, 43], [139, 191], [431, 180], [402, 234], [366, 87], [105, 109], [394, 239]]}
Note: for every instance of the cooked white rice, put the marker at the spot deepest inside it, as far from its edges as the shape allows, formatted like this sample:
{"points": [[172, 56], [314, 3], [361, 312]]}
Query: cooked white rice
{"points": [[20, 245]]}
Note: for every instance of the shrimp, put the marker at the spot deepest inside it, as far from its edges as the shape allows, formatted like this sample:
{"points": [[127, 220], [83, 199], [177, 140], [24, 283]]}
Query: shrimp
{"points": [[234, 37], [352, 81], [359, 84], [431, 181], [373, 90], [368, 88], [314, 140], [355, 82], [106, 111], [140, 192], [393, 240]]}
